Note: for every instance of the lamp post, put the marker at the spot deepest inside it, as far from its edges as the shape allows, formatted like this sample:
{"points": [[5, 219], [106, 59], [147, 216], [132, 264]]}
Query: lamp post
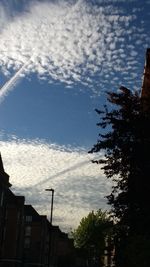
{"points": [[52, 200], [51, 218]]}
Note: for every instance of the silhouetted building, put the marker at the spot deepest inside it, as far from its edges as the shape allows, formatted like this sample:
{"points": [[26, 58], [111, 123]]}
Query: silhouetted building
{"points": [[36, 238], [28, 239], [13, 231], [109, 252], [11, 223], [4, 186], [66, 251], [145, 93]]}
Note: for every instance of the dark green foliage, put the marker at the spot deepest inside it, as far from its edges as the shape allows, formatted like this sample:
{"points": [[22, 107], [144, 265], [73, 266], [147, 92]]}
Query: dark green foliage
{"points": [[126, 147], [137, 251]]}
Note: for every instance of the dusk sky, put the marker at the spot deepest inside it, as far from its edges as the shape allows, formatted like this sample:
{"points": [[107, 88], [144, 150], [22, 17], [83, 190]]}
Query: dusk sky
{"points": [[57, 60]]}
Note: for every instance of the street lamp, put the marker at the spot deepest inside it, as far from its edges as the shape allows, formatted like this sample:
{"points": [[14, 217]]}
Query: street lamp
{"points": [[52, 199], [50, 234]]}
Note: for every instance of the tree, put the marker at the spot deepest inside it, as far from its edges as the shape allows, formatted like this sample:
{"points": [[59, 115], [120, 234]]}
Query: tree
{"points": [[90, 235], [126, 148]]}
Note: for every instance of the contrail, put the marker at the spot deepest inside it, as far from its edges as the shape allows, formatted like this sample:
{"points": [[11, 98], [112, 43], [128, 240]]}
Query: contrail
{"points": [[72, 168], [8, 86]]}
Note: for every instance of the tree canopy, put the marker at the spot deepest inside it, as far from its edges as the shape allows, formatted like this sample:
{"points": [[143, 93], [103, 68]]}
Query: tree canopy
{"points": [[126, 148], [92, 229], [91, 233]]}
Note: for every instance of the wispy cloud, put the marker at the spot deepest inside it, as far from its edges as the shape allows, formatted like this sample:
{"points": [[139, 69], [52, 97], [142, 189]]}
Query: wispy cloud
{"points": [[79, 185], [73, 41]]}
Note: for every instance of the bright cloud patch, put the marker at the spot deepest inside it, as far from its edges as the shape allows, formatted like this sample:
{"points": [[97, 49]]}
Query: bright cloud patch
{"points": [[79, 184], [72, 41]]}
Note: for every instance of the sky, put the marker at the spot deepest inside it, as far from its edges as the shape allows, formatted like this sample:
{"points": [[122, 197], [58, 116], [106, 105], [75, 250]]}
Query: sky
{"points": [[57, 60]]}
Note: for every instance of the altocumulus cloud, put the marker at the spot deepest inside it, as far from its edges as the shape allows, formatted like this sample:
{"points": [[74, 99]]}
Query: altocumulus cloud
{"points": [[72, 41], [79, 185]]}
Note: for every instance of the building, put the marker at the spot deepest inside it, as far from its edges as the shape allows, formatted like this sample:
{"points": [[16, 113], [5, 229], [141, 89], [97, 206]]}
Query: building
{"points": [[4, 186], [145, 92], [66, 251], [146, 76], [13, 231], [11, 223], [27, 238], [36, 238], [62, 249]]}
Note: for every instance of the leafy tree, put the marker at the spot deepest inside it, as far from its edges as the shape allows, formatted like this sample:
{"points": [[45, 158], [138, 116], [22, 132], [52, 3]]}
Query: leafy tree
{"points": [[91, 233], [126, 147]]}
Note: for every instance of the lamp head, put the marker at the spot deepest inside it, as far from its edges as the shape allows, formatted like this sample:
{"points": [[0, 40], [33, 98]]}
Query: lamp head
{"points": [[49, 189]]}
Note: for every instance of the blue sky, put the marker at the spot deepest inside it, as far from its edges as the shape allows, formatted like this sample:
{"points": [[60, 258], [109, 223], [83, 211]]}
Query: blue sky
{"points": [[57, 59], [50, 112]]}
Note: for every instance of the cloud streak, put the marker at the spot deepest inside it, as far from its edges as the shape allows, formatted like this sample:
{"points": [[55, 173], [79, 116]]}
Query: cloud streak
{"points": [[9, 85], [79, 185], [74, 42]]}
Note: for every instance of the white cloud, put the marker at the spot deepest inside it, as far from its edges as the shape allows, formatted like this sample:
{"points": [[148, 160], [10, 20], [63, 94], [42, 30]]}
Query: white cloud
{"points": [[79, 185], [66, 37]]}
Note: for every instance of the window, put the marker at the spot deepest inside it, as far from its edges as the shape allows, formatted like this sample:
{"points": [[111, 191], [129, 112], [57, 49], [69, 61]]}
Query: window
{"points": [[4, 234], [28, 218], [18, 217], [2, 198], [28, 231], [27, 242]]}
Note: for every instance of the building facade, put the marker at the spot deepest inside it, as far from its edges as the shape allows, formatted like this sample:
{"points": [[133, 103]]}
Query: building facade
{"points": [[36, 238], [11, 223], [4, 186]]}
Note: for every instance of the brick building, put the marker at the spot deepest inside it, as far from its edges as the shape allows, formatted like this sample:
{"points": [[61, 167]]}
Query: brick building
{"points": [[36, 238], [62, 249], [27, 238], [11, 223], [4, 186], [13, 231], [45, 244], [66, 251], [145, 93]]}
